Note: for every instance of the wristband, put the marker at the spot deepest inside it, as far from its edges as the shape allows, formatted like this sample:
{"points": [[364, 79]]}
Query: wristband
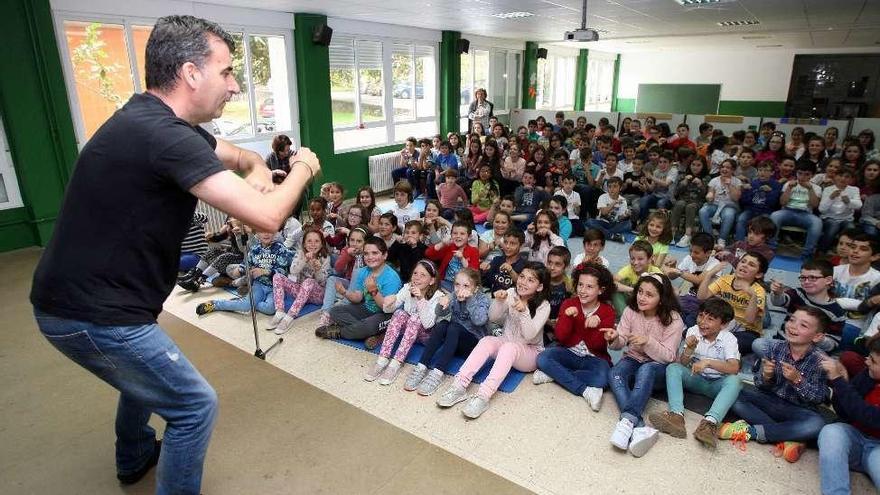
{"points": [[311, 174]]}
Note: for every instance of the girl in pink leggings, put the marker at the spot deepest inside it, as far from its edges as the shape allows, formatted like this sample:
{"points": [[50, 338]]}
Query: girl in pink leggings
{"points": [[308, 275], [523, 311], [414, 309]]}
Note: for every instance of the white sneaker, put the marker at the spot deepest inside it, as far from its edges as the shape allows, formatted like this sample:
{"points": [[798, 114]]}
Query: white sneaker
{"points": [[376, 370], [284, 326], [390, 373], [540, 378], [622, 433], [475, 407], [684, 242], [279, 315], [643, 438], [454, 394], [594, 397], [415, 377]]}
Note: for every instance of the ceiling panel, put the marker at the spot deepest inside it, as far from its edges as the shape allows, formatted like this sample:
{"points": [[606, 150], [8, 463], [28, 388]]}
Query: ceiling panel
{"points": [[662, 22]]}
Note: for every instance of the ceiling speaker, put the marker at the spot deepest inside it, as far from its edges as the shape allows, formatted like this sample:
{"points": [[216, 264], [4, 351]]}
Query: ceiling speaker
{"points": [[321, 34], [542, 53], [463, 45]]}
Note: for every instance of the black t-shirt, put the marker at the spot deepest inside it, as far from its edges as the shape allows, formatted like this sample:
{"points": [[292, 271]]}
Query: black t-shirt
{"points": [[115, 251]]}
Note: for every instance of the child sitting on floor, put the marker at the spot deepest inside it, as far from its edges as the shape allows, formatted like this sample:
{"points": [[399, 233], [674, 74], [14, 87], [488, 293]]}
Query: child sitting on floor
{"points": [[414, 311], [692, 269], [523, 312], [542, 235], [266, 258], [639, 263], [468, 309], [791, 383], [594, 243], [650, 328], [708, 365], [501, 273], [582, 365], [306, 281], [454, 255], [350, 260], [657, 231], [405, 253]]}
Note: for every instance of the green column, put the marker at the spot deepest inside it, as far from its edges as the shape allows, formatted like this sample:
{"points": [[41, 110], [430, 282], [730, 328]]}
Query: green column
{"points": [[36, 116], [580, 80], [616, 81], [313, 94], [450, 82], [530, 74]]}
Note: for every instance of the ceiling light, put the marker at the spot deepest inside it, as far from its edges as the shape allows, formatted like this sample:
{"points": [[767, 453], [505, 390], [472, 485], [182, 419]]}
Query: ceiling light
{"points": [[757, 37], [768, 46], [696, 2], [513, 15], [637, 42], [747, 22]]}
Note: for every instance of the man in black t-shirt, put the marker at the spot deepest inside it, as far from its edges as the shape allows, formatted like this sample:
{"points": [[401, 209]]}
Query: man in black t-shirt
{"points": [[113, 258]]}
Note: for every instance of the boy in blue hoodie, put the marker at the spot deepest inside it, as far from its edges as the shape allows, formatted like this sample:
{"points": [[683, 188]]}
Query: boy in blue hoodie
{"points": [[759, 197], [267, 258]]}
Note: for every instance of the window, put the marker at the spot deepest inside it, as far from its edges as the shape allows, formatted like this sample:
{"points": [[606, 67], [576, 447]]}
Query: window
{"points": [[600, 83], [496, 70], [396, 96], [555, 90], [10, 197], [105, 65]]}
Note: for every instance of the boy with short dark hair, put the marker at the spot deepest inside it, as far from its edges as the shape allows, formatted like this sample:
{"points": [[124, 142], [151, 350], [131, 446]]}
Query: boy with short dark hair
{"points": [[854, 281], [594, 243], [838, 206], [452, 195], [407, 252], [759, 197], [404, 209], [501, 273], [527, 200], [743, 290], [799, 198], [708, 365], [640, 255], [692, 269], [760, 230], [613, 215], [558, 260], [781, 409]]}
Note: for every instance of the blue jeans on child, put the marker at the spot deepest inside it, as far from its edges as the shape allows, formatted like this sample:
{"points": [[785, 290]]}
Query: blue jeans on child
{"points": [[609, 228], [447, 340], [331, 297], [574, 373], [742, 224], [776, 419], [831, 228], [152, 376], [842, 448], [644, 376], [798, 218], [728, 218], [649, 201], [263, 300], [724, 390]]}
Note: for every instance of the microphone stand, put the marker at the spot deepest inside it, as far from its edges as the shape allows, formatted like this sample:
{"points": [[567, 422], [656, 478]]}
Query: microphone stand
{"points": [[247, 267]]}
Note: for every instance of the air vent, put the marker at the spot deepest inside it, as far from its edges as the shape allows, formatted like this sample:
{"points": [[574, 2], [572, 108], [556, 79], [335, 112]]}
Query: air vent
{"points": [[768, 46], [698, 2], [747, 22], [513, 15]]}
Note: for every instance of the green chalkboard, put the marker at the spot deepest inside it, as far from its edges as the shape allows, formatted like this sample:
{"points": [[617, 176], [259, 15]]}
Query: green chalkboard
{"points": [[679, 98]]}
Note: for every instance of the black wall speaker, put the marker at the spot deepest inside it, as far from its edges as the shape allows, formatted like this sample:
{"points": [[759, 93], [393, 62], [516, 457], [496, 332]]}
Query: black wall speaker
{"points": [[321, 34], [463, 45], [542, 53]]}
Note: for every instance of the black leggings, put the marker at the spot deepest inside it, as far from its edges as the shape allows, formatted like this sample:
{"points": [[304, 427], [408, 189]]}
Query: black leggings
{"points": [[450, 338]]}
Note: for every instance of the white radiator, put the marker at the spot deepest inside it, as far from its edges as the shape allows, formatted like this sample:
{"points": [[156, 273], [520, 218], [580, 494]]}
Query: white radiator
{"points": [[380, 170], [216, 218]]}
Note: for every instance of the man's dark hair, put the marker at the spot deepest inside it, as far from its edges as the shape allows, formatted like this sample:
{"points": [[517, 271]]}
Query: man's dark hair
{"points": [[176, 40]]}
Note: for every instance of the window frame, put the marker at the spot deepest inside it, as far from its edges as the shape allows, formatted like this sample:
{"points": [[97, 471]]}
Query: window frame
{"points": [[387, 43], [128, 21], [7, 170], [553, 60], [510, 54]]}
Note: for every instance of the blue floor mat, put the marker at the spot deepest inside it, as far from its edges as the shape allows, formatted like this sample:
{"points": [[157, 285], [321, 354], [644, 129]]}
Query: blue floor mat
{"points": [[509, 384]]}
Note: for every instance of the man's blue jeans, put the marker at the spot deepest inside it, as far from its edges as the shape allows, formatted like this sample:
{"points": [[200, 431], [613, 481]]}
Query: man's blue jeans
{"points": [[843, 448], [798, 218], [644, 376], [776, 419], [152, 376]]}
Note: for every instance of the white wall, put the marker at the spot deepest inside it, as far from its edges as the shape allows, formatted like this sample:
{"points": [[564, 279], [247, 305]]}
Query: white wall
{"points": [[763, 76]]}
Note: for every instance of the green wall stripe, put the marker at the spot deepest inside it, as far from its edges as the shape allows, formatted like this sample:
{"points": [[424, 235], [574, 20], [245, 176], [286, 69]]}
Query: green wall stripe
{"points": [[450, 82], [580, 80], [530, 74], [752, 108], [616, 84]]}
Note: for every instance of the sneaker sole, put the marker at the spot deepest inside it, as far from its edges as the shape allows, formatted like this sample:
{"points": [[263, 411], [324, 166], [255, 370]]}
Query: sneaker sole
{"points": [[640, 448], [457, 401]]}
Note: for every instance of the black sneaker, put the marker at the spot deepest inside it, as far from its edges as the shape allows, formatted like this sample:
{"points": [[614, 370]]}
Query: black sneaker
{"points": [[204, 308], [331, 331], [192, 284], [618, 238], [132, 478], [190, 274]]}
